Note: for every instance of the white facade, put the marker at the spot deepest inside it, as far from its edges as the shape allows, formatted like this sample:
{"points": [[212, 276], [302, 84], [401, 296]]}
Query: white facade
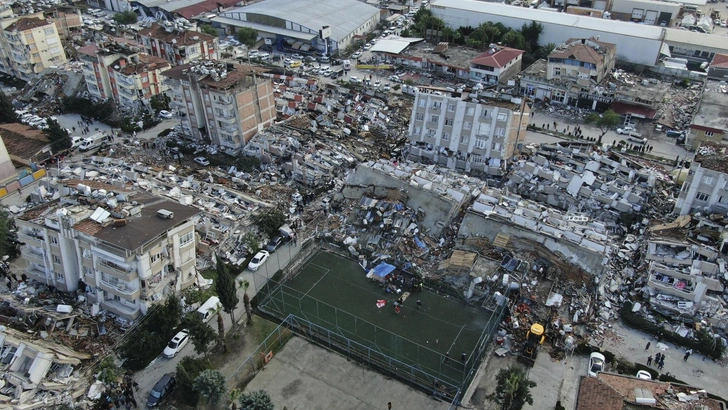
{"points": [[636, 43], [28, 46], [703, 189]]}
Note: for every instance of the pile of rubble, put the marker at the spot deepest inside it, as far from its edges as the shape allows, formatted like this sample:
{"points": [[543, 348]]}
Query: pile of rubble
{"points": [[679, 106]]}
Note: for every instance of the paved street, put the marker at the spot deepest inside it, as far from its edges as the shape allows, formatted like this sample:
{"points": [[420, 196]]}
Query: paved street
{"points": [[279, 259]]}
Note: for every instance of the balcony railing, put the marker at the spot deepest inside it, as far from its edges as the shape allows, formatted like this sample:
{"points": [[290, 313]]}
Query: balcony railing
{"points": [[33, 256], [225, 102], [121, 290], [121, 309], [34, 239]]}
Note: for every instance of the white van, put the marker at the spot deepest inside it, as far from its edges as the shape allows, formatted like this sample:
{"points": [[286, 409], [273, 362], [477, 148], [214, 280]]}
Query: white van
{"points": [[93, 141], [207, 310]]}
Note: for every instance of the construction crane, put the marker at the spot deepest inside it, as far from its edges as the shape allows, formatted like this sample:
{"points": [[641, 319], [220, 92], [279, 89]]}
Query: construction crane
{"points": [[534, 338]]}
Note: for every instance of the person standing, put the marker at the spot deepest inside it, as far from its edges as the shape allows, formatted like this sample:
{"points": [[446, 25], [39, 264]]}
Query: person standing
{"points": [[687, 354], [662, 362], [463, 358], [648, 345], [389, 405], [419, 304], [649, 360], [447, 357]]}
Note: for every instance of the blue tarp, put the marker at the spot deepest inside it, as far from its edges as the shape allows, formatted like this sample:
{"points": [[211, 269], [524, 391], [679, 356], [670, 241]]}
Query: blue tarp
{"points": [[383, 269], [420, 243]]}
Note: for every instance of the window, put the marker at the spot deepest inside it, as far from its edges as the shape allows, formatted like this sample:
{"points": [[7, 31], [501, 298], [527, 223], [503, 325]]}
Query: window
{"points": [[451, 107], [557, 71], [54, 240], [496, 147], [419, 116], [464, 139], [708, 180], [480, 142], [436, 104], [54, 50], [56, 259], [431, 132], [476, 158], [187, 238], [417, 130], [49, 30], [702, 197], [435, 119], [500, 132], [60, 278], [446, 136], [423, 102], [708, 133], [467, 125], [484, 113], [448, 121], [723, 200], [29, 36], [470, 111], [157, 256], [88, 271], [502, 116]]}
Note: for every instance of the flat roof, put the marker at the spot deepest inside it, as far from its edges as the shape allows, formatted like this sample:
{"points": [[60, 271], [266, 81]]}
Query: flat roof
{"points": [[266, 29], [169, 5], [712, 111], [699, 40], [343, 16], [550, 17], [394, 45], [457, 56]]}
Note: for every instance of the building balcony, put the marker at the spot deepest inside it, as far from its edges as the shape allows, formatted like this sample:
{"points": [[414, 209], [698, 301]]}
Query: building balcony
{"points": [[224, 102], [33, 239], [37, 273], [121, 309], [229, 119], [33, 256], [117, 271], [229, 130], [120, 289]]}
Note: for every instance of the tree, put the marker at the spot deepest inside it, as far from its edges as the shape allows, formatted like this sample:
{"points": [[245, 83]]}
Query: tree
{"points": [[201, 333], [257, 400], [159, 102], [225, 287], [545, 50], [221, 329], [7, 112], [246, 300], [247, 36], [514, 39], [58, 136], [234, 397], [107, 371], [210, 384], [126, 17], [208, 29], [270, 221], [187, 370], [604, 122], [514, 389], [531, 33], [8, 235]]}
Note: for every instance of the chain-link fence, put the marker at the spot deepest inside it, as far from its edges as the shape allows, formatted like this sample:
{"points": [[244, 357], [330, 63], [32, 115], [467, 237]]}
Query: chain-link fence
{"points": [[260, 356]]}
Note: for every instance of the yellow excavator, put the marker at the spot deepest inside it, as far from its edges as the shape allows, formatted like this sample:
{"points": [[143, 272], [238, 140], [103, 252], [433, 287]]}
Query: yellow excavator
{"points": [[534, 338]]}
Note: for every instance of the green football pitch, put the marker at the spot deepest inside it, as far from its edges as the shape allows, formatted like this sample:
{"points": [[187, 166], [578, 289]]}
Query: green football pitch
{"points": [[333, 292]]}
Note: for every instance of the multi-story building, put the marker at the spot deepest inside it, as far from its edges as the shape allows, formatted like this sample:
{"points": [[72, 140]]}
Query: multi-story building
{"points": [[572, 74], [28, 46], [178, 46], [496, 65], [120, 71], [706, 185], [125, 249], [227, 103], [453, 131], [710, 122]]}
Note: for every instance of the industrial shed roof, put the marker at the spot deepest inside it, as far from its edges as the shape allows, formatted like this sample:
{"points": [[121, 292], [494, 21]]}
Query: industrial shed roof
{"points": [[550, 17], [394, 45], [343, 16]]}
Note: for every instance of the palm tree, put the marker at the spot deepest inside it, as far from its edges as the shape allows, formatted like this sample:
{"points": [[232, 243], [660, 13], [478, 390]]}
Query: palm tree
{"points": [[546, 49], [221, 328], [246, 300], [234, 396], [513, 383]]}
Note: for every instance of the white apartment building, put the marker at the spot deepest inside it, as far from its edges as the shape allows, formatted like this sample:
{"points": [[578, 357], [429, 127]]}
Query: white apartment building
{"points": [[125, 249], [454, 130], [28, 46], [706, 185]]}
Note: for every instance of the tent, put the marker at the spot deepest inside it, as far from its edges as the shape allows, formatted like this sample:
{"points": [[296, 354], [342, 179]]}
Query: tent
{"points": [[380, 271]]}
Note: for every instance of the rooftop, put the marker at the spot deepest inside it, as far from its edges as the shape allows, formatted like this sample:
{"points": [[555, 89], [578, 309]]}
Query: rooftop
{"points": [[343, 16], [225, 76], [394, 45], [713, 156], [27, 23], [454, 56], [586, 50], [181, 38], [23, 141], [719, 61], [144, 63], [712, 112], [497, 57]]}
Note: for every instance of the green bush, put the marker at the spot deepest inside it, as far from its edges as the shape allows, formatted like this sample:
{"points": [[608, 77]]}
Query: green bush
{"points": [[704, 343]]}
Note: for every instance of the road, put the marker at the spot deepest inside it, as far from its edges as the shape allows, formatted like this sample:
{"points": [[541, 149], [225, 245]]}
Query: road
{"points": [[160, 366]]}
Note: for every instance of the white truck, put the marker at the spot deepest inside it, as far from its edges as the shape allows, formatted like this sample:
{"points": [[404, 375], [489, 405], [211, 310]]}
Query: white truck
{"points": [[94, 141]]}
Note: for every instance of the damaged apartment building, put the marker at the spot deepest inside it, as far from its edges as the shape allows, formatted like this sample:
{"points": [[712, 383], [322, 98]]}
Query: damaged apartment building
{"points": [[459, 131], [124, 249]]}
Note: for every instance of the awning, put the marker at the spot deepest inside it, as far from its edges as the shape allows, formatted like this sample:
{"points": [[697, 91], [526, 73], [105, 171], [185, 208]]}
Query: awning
{"points": [[665, 50], [638, 111]]}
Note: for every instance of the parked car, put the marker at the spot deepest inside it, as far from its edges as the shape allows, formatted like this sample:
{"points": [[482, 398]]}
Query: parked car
{"points": [[165, 114], [367, 46], [356, 55], [625, 130], [354, 80], [637, 139], [596, 364], [176, 344], [674, 133], [258, 260], [387, 87], [309, 59], [274, 244], [202, 161], [161, 390], [377, 84], [644, 375], [324, 59], [297, 56]]}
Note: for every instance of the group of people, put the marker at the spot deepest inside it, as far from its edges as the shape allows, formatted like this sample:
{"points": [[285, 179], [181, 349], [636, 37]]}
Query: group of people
{"points": [[660, 357], [122, 396], [396, 284], [83, 123]]}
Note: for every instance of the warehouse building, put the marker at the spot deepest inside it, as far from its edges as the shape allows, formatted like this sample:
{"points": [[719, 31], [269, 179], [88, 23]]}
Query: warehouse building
{"points": [[297, 25], [636, 43]]}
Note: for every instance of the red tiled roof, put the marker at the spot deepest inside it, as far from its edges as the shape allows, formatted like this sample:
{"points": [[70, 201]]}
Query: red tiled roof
{"points": [[582, 52], [720, 60], [27, 23], [184, 38], [23, 141], [209, 5], [594, 394], [89, 50], [146, 62], [499, 59]]}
